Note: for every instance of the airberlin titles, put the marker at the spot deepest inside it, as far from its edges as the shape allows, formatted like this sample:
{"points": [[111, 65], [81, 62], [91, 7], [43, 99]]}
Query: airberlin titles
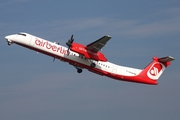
{"points": [[50, 46], [58, 48]]}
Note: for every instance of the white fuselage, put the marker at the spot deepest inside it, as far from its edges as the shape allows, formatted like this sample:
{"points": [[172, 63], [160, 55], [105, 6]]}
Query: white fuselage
{"points": [[60, 52]]}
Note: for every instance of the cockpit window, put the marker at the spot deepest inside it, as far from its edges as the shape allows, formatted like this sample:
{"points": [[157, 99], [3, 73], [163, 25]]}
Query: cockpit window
{"points": [[22, 34]]}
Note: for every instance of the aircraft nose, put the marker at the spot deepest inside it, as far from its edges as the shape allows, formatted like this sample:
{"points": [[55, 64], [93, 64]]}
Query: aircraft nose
{"points": [[6, 37], [9, 39]]}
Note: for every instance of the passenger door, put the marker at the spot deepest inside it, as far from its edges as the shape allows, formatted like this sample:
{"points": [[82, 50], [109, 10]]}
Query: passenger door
{"points": [[114, 69]]}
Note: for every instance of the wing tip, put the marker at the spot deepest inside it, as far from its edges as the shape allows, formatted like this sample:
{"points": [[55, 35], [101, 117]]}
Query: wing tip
{"points": [[108, 36]]}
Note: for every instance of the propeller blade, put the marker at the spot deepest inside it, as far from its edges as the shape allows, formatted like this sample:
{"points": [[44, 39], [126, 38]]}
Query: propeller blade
{"points": [[69, 43], [72, 39], [54, 59]]}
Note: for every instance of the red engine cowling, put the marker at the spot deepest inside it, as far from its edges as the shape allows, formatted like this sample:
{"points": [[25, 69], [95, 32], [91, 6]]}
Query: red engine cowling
{"points": [[81, 49]]}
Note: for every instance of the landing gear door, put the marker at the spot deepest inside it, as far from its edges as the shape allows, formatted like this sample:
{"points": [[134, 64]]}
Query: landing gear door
{"points": [[32, 43], [114, 69], [29, 37]]}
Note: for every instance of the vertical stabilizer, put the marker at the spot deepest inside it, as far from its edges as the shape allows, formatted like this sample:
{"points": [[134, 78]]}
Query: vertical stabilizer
{"points": [[155, 69]]}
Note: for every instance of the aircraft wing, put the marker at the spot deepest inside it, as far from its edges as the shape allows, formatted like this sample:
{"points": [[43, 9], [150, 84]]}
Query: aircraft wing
{"points": [[98, 44]]}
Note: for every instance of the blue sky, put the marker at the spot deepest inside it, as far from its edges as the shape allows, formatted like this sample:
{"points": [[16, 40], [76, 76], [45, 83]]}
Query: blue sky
{"points": [[32, 87]]}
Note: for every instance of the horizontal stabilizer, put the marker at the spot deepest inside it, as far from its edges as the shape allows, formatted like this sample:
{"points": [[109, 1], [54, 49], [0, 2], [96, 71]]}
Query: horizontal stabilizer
{"points": [[166, 59]]}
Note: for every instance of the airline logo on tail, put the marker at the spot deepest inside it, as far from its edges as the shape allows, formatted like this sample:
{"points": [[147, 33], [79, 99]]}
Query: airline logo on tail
{"points": [[155, 71]]}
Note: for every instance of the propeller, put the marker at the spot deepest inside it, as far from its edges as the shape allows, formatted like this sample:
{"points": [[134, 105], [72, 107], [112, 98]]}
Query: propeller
{"points": [[54, 59], [70, 41]]}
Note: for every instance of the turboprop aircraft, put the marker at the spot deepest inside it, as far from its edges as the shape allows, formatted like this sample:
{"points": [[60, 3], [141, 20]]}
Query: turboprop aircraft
{"points": [[91, 58]]}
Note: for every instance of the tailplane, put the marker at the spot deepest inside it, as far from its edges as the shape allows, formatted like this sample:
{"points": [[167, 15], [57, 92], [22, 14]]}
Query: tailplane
{"points": [[154, 70]]}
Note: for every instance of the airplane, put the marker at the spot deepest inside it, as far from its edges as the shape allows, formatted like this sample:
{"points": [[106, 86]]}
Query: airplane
{"points": [[91, 58]]}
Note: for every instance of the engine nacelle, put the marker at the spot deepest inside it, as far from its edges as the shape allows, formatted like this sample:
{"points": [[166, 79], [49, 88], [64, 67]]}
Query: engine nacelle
{"points": [[81, 49]]}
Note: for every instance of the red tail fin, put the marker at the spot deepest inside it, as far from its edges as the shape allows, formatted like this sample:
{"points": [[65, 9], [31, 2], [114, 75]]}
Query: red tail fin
{"points": [[153, 71]]}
